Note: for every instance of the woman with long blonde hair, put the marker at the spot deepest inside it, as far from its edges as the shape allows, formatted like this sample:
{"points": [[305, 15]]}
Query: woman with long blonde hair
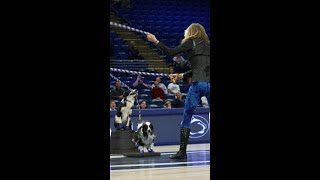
{"points": [[196, 46]]}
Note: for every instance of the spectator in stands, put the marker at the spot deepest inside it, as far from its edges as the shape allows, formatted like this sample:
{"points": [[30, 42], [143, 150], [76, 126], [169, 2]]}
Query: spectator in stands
{"points": [[143, 104], [171, 70], [161, 85], [134, 53], [196, 45], [178, 102], [117, 92], [113, 105], [204, 102], [180, 65], [157, 92], [167, 104], [139, 84], [173, 88], [178, 59]]}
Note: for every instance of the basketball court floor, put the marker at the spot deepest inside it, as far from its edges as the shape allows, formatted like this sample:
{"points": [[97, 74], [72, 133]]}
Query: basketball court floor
{"points": [[196, 167]]}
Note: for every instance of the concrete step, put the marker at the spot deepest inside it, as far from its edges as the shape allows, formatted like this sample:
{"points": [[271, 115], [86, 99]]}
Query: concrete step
{"points": [[127, 32], [146, 50], [151, 57], [127, 35], [156, 63]]}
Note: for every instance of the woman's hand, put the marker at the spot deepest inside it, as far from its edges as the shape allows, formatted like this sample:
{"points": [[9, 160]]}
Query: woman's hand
{"points": [[151, 38], [175, 77]]}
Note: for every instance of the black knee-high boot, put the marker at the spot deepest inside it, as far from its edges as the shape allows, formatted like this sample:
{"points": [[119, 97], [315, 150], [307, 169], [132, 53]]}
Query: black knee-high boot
{"points": [[184, 137]]}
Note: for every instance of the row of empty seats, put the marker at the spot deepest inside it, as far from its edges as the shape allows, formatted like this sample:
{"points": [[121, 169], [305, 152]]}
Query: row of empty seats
{"points": [[166, 19]]}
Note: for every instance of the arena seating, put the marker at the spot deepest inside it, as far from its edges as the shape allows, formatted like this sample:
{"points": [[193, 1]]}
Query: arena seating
{"points": [[167, 19]]}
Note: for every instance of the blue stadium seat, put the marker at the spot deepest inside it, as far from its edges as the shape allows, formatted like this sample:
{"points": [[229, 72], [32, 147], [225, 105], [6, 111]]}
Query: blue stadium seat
{"points": [[166, 82], [130, 78], [157, 102], [154, 106], [136, 106], [182, 88], [128, 83], [144, 91], [117, 103], [180, 81], [144, 96], [170, 96], [170, 13], [170, 99]]}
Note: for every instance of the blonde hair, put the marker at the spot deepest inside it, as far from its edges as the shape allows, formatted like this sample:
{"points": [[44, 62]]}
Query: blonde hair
{"points": [[195, 30], [179, 95]]}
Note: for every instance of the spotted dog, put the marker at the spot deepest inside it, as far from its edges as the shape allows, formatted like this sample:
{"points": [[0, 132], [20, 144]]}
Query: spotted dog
{"points": [[124, 111], [144, 137]]}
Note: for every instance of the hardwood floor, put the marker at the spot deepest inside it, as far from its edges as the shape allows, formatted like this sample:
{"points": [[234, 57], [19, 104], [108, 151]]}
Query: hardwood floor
{"points": [[197, 166]]}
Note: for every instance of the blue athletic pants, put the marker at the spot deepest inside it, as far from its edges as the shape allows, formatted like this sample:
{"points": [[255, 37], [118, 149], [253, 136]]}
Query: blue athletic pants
{"points": [[196, 91]]}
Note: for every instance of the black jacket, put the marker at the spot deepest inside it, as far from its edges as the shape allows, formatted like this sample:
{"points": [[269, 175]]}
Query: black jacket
{"points": [[115, 93], [177, 104], [198, 54]]}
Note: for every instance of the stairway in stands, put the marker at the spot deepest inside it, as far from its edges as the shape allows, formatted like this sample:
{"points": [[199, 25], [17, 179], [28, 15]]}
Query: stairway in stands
{"points": [[154, 60]]}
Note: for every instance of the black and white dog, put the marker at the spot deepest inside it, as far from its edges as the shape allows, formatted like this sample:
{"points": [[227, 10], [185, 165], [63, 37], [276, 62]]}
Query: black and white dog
{"points": [[124, 111], [144, 137]]}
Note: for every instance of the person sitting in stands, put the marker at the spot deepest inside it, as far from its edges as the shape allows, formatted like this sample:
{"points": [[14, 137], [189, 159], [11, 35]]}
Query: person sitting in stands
{"points": [[167, 104], [134, 53], [179, 63], [139, 84], [178, 102], [157, 92], [143, 104], [117, 92], [173, 88], [171, 70], [113, 105], [161, 85]]}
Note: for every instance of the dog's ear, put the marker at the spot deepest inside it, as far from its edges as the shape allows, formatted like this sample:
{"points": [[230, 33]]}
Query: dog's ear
{"points": [[144, 130], [126, 93], [151, 126], [144, 126]]}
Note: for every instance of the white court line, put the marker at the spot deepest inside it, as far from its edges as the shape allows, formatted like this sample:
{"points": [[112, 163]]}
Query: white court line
{"points": [[114, 157], [188, 152], [149, 169], [158, 164], [164, 153]]}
